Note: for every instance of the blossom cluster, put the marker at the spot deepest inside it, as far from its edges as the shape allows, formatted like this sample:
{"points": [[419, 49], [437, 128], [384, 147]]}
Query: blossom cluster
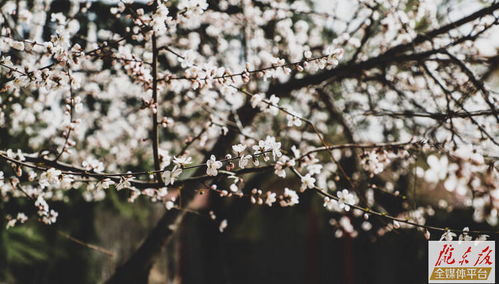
{"points": [[218, 93]]}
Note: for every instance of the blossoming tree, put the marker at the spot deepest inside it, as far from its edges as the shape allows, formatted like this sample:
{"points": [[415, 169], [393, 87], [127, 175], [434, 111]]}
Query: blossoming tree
{"points": [[364, 103]]}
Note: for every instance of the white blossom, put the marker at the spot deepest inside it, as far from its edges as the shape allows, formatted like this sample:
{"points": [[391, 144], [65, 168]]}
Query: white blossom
{"points": [[274, 146], [223, 225], [448, 236], [170, 204], [345, 199], [307, 182], [50, 177], [19, 45], [482, 237], [289, 198], [256, 100], [124, 183], [270, 198], [50, 217], [169, 177], [159, 18], [273, 102], [105, 183], [91, 164], [244, 160], [212, 166], [11, 223], [238, 149], [437, 170], [182, 161], [294, 120], [233, 188], [21, 218]]}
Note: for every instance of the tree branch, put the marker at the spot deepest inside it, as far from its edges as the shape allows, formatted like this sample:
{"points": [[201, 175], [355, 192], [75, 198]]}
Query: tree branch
{"points": [[155, 138], [389, 57]]}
